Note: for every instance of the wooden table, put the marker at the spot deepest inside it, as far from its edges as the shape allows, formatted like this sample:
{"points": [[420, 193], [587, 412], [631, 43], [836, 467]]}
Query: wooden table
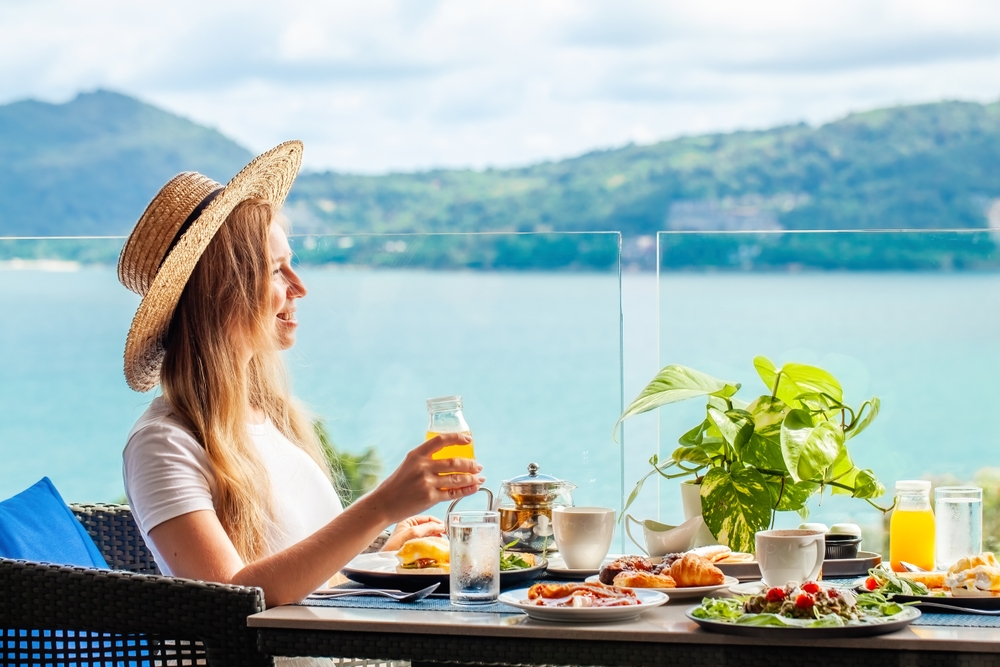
{"points": [[661, 636]]}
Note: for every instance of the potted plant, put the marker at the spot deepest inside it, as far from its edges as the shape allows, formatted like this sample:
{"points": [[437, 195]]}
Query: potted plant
{"points": [[767, 456]]}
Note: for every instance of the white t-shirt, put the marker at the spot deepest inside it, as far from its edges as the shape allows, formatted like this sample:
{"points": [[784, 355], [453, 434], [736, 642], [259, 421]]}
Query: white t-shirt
{"points": [[167, 474]]}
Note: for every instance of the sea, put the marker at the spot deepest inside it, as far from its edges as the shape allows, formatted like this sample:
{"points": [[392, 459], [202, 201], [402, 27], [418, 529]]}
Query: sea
{"points": [[544, 362]]}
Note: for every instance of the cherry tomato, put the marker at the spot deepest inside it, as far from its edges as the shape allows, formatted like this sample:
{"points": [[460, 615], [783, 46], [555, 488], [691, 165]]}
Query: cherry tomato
{"points": [[805, 601], [811, 587], [871, 583], [776, 595]]}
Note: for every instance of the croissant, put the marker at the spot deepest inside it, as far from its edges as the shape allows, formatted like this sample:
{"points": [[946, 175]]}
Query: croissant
{"points": [[695, 570], [644, 580]]}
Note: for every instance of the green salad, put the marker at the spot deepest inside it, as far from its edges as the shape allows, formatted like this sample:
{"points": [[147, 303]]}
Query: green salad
{"points": [[512, 560], [806, 606], [885, 582]]}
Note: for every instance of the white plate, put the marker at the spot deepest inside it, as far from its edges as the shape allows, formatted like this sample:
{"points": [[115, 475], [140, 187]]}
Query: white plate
{"points": [[557, 568], [680, 593], [748, 588], [649, 599]]}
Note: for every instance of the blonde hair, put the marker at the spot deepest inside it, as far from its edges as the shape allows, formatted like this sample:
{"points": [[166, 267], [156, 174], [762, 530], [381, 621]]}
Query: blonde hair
{"points": [[209, 386]]}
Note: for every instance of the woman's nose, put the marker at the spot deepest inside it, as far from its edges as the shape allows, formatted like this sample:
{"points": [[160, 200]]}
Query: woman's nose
{"points": [[296, 287]]}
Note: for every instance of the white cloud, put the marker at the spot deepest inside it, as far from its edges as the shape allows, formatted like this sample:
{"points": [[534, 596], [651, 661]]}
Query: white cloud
{"points": [[408, 84]]}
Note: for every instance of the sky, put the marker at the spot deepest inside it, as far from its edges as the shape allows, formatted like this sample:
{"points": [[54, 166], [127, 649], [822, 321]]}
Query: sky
{"points": [[386, 85]]}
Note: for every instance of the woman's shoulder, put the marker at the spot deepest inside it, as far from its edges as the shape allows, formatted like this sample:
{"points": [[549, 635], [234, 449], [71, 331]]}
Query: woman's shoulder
{"points": [[159, 424]]}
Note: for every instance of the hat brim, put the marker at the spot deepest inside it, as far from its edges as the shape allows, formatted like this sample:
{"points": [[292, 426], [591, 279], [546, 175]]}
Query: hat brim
{"points": [[269, 177]]}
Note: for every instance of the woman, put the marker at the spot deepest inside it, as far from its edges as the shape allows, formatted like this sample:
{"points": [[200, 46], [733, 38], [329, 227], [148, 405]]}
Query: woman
{"points": [[223, 472]]}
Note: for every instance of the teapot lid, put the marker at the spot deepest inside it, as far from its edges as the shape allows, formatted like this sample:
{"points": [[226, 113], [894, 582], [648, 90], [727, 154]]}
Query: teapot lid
{"points": [[533, 476], [535, 483]]}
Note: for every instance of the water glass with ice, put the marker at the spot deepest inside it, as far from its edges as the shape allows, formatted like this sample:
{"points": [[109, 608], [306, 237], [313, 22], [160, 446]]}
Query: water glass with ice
{"points": [[958, 519], [475, 557]]}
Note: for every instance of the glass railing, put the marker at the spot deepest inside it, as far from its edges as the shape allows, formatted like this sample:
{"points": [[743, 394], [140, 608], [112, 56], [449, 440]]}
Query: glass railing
{"points": [[526, 327], [910, 317]]}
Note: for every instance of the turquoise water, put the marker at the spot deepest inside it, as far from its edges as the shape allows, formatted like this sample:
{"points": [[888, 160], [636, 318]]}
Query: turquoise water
{"points": [[536, 357]]}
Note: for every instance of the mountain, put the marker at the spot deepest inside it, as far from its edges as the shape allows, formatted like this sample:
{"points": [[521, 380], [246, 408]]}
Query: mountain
{"points": [[90, 166], [925, 166]]}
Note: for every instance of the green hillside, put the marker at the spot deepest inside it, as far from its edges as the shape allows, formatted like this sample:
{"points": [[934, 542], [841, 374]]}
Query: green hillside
{"points": [[927, 166], [90, 166]]}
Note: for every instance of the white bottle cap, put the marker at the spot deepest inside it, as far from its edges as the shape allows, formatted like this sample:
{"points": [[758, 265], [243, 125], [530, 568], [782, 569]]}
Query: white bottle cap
{"points": [[913, 485]]}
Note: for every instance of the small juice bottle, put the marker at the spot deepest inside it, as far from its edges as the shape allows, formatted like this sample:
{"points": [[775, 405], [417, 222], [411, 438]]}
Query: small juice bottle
{"points": [[445, 416], [911, 528]]}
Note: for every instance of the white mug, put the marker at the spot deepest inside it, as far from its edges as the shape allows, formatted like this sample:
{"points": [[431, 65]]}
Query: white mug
{"points": [[583, 535], [790, 555]]}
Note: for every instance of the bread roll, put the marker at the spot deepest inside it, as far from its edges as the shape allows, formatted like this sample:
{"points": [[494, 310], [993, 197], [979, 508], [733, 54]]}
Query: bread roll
{"points": [[644, 580], [694, 570], [713, 553]]}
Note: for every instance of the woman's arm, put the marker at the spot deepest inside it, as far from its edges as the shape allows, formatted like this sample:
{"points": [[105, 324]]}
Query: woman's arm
{"points": [[196, 546]]}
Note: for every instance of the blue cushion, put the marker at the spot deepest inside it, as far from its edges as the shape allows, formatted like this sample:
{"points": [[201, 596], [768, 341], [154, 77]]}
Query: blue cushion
{"points": [[37, 525]]}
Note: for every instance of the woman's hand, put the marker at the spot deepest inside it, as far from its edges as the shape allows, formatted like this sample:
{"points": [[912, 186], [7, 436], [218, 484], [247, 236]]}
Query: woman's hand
{"points": [[421, 482], [421, 525]]}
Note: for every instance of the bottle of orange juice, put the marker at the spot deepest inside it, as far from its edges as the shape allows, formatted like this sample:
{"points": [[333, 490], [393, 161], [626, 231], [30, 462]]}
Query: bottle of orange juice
{"points": [[911, 528], [446, 416]]}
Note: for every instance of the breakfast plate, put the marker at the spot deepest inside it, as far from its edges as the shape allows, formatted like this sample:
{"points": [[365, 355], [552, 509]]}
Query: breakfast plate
{"points": [[886, 626], [379, 570], [679, 593], [647, 599]]}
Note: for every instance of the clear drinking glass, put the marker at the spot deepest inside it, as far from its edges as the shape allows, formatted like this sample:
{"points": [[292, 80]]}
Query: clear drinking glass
{"points": [[475, 557], [958, 515]]}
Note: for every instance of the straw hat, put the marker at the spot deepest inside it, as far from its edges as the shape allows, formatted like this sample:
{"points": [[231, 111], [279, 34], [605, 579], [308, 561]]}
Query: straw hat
{"points": [[163, 249]]}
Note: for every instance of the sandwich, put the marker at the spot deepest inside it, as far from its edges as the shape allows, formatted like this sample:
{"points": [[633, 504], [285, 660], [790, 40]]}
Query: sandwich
{"points": [[425, 555], [973, 576]]}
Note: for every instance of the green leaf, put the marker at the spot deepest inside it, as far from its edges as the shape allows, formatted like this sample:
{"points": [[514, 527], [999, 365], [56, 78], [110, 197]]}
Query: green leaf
{"points": [[844, 471], [873, 407], [794, 496], [816, 401], [672, 384], [764, 451], [808, 448], [797, 379], [735, 425], [691, 454], [767, 414], [735, 506], [867, 486], [694, 437], [767, 372]]}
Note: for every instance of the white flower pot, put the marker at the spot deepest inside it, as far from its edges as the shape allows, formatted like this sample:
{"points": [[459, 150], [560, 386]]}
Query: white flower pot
{"points": [[691, 500]]}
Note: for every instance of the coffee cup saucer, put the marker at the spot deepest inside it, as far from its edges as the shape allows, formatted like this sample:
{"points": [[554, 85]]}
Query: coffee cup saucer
{"points": [[557, 568]]}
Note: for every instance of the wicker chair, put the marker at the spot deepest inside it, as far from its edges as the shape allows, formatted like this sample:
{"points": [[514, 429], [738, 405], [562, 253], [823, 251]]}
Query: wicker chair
{"points": [[131, 615]]}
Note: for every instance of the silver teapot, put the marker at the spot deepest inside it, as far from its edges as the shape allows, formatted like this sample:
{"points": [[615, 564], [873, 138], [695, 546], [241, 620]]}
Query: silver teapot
{"points": [[525, 504]]}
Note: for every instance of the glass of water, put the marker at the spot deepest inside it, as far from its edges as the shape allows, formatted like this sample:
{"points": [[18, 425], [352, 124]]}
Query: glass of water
{"points": [[958, 523], [475, 557]]}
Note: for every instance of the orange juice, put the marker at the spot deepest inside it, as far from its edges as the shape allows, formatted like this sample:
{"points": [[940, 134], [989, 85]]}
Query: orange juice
{"points": [[911, 538], [466, 451]]}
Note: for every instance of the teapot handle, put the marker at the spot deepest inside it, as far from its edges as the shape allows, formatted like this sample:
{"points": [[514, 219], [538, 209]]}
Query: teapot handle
{"points": [[489, 507]]}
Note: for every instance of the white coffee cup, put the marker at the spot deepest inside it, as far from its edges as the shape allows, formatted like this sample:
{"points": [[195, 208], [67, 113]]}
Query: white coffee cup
{"points": [[790, 555], [583, 535]]}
